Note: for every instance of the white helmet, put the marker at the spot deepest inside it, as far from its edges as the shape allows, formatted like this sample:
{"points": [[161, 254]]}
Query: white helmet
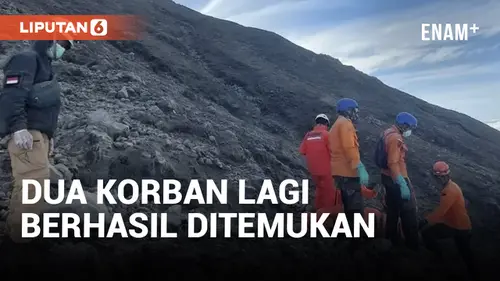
{"points": [[322, 116]]}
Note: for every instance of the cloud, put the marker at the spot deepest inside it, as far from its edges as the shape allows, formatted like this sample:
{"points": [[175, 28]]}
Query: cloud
{"points": [[276, 15], [478, 100], [495, 124], [439, 73], [369, 43], [249, 11], [394, 40]]}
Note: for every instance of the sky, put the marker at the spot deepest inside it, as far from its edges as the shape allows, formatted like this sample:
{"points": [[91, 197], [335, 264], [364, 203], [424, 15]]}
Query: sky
{"points": [[383, 38]]}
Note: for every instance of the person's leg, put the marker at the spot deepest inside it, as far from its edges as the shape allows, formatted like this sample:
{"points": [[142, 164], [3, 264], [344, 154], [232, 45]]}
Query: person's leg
{"points": [[329, 191], [353, 206], [317, 196], [462, 241], [354, 199], [392, 202], [409, 226], [409, 221], [325, 192], [338, 192], [26, 164], [347, 195], [339, 183], [330, 201], [432, 234]]}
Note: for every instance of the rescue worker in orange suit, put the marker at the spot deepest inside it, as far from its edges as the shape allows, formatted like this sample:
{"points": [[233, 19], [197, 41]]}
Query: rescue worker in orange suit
{"points": [[316, 150], [450, 219], [400, 198], [347, 169]]}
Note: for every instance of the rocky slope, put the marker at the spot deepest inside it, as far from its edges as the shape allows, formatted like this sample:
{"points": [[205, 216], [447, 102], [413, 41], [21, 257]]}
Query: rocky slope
{"points": [[200, 97]]}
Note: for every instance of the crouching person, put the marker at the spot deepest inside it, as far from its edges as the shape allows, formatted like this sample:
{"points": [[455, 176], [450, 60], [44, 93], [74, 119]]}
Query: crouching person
{"points": [[450, 219]]}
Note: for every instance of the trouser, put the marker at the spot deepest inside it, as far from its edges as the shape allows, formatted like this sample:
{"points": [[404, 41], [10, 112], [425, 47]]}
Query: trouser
{"points": [[26, 164], [401, 210], [352, 200], [325, 192], [436, 232]]}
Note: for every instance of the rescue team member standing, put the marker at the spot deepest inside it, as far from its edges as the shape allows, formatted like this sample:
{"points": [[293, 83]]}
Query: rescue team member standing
{"points": [[347, 169], [450, 219], [315, 148], [29, 109], [400, 199]]}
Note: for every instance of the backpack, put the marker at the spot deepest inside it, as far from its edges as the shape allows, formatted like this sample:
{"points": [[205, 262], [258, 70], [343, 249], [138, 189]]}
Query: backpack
{"points": [[380, 157]]}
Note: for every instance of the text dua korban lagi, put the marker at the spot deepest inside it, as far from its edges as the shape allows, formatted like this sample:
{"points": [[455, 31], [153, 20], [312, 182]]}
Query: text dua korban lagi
{"points": [[171, 192]]}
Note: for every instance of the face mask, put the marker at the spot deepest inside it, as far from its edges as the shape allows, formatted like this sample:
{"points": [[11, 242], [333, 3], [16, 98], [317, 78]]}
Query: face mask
{"points": [[56, 51], [354, 115], [407, 133], [441, 180]]}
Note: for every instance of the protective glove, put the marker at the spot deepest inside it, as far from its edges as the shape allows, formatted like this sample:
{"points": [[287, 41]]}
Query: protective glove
{"points": [[403, 187], [51, 147], [422, 223], [363, 174], [23, 139]]}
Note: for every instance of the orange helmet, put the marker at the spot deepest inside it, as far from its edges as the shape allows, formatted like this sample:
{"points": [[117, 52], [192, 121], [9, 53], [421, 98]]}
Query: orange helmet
{"points": [[440, 168]]}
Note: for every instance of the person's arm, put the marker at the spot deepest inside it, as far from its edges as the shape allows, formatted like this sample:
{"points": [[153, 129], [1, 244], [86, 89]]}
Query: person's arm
{"points": [[331, 140], [448, 197], [303, 145], [19, 78], [327, 142], [348, 140], [393, 155]]}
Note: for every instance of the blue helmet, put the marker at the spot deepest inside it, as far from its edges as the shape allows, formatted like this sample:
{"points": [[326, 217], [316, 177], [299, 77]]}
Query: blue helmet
{"points": [[346, 104], [405, 118]]}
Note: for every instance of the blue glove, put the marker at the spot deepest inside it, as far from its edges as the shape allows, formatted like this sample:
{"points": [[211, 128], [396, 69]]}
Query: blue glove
{"points": [[403, 186], [363, 174]]}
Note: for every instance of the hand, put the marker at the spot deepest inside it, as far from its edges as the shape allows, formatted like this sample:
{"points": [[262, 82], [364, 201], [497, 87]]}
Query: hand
{"points": [[363, 174], [51, 147], [23, 139], [403, 187]]}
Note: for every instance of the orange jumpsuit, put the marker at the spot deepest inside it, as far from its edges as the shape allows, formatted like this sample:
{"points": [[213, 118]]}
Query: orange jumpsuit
{"points": [[315, 148], [451, 210], [344, 148], [451, 220], [344, 155], [396, 153], [400, 214]]}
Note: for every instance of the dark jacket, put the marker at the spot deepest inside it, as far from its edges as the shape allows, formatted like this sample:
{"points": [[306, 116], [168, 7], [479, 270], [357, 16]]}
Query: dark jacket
{"points": [[27, 100]]}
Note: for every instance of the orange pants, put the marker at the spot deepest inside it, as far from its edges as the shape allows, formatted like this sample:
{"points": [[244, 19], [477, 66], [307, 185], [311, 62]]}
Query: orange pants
{"points": [[326, 193]]}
